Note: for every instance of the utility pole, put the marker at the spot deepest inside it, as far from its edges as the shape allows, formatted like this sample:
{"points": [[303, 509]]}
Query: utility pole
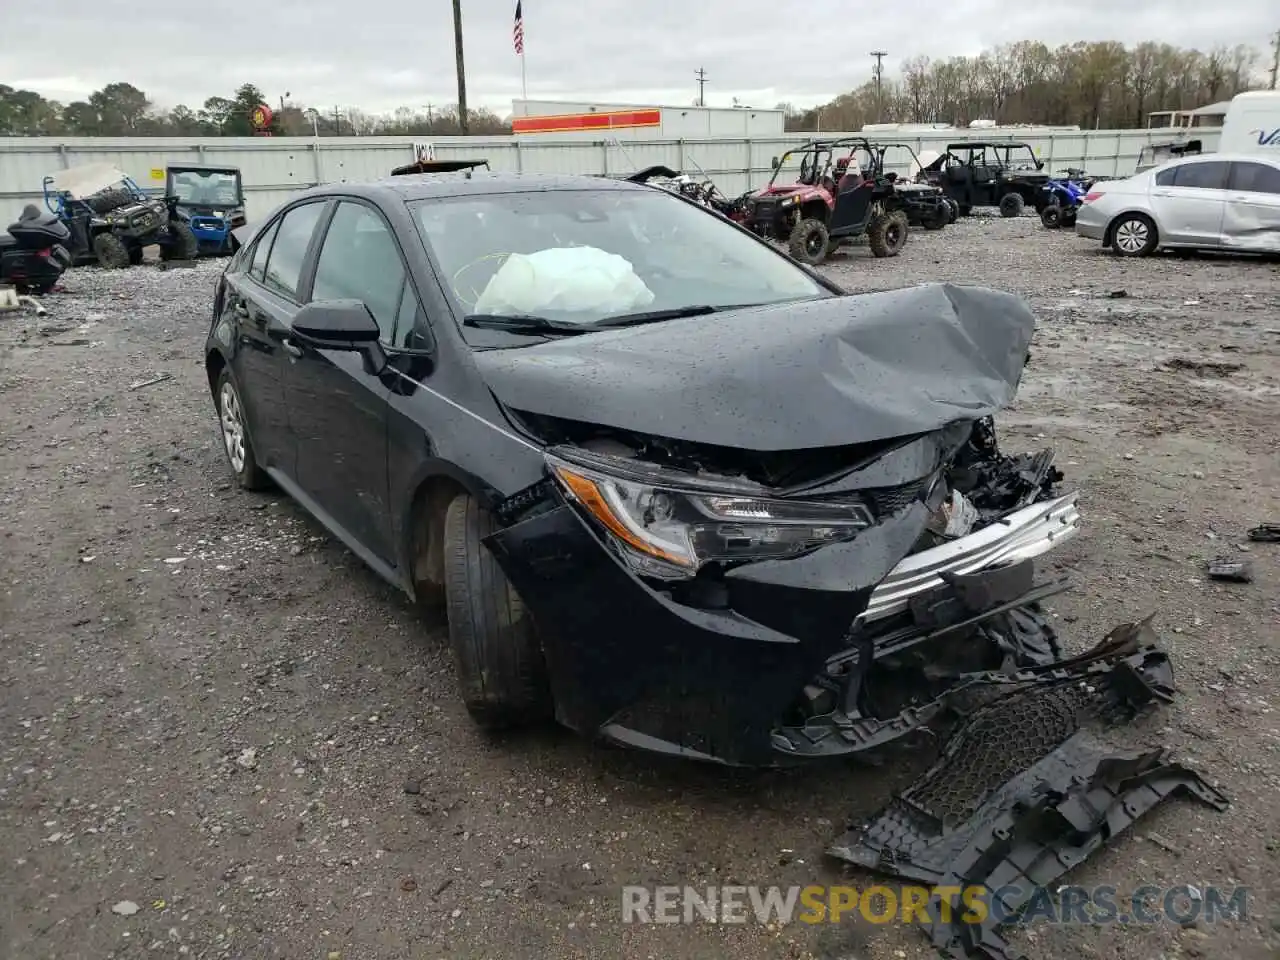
{"points": [[337, 121], [879, 70], [462, 70], [1275, 60], [702, 84]]}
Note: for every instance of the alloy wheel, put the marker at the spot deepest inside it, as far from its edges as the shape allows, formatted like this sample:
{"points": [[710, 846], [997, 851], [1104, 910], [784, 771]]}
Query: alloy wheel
{"points": [[232, 426], [1131, 236]]}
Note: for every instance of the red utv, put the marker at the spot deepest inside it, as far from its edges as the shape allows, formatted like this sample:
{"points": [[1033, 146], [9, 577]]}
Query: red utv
{"points": [[830, 203]]}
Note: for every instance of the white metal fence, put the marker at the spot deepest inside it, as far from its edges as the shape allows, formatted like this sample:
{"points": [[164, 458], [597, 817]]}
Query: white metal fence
{"points": [[275, 167]]}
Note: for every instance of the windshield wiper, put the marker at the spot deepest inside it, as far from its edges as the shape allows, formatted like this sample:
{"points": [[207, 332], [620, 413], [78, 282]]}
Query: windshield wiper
{"points": [[653, 316], [522, 323]]}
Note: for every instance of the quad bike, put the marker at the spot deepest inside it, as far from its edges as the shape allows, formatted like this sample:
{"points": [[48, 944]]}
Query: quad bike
{"points": [[111, 219], [1062, 203], [830, 203]]}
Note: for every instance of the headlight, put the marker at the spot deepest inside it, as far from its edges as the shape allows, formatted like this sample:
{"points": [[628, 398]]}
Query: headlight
{"points": [[672, 530]]}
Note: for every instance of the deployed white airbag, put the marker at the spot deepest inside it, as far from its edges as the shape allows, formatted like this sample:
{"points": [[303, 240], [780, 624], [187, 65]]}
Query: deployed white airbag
{"points": [[565, 279]]}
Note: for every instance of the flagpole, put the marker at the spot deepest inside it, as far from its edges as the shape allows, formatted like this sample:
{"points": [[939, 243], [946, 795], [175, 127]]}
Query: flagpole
{"points": [[524, 89]]}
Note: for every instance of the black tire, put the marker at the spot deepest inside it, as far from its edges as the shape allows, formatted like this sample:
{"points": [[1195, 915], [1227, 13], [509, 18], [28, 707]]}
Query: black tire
{"points": [[182, 244], [135, 255], [501, 672], [1133, 235], [1068, 218], [1051, 216], [248, 475], [110, 199], [110, 251], [964, 210], [955, 210], [1012, 205], [937, 219], [887, 233], [809, 241]]}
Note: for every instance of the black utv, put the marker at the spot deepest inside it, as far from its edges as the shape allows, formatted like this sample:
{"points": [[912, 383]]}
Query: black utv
{"points": [[990, 173]]}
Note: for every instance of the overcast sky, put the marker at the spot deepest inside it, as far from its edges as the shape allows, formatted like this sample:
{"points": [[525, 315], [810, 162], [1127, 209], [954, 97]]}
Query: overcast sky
{"points": [[388, 53]]}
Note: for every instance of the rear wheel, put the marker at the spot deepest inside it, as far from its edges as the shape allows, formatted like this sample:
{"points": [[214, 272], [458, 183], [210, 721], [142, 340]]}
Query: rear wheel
{"points": [[135, 255], [955, 210], [1133, 235], [809, 241], [1051, 216], [887, 233], [938, 218], [182, 243], [110, 251], [1068, 218], [1012, 205], [501, 672], [235, 436]]}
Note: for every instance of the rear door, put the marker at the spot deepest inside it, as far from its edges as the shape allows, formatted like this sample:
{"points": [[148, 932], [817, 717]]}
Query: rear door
{"points": [[256, 360], [337, 408], [1189, 201], [1252, 220]]}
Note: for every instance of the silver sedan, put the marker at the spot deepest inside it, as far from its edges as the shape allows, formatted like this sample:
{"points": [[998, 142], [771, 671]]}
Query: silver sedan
{"points": [[1209, 202]]}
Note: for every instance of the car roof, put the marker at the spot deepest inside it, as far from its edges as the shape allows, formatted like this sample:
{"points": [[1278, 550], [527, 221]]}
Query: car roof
{"points": [[1219, 157], [424, 186]]}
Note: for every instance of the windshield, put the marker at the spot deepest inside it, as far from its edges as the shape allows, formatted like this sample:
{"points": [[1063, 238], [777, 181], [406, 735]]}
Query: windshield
{"points": [[206, 187], [586, 256]]}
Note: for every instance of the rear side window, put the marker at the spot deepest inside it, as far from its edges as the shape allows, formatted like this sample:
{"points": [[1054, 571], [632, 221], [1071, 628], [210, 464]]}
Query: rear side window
{"points": [[261, 249], [1255, 178], [1206, 175], [284, 267]]}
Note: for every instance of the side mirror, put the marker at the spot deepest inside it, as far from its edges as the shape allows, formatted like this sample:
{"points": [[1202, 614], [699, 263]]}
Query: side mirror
{"points": [[774, 164], [342, 325]]}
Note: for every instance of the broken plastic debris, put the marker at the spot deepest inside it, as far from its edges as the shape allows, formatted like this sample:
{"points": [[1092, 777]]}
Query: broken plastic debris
{"points": [[126, 908], [1266, 533], [1237, 571]]}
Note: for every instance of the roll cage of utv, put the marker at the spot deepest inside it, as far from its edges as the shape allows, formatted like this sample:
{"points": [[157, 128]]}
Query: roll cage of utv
{"points": [[827, 205], [210, 200], [990, 173], [111, 219]]}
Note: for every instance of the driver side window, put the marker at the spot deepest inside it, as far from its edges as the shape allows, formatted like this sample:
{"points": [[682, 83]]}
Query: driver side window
{"points": [[360, 261]]}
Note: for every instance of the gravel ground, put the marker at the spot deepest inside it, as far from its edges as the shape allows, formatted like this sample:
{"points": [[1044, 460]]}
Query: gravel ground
{"points": [[213, 712]]}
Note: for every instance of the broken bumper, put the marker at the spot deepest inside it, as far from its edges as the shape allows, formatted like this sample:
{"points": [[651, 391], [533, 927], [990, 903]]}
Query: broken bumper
{"points": [[1023, 535], [709, 677]]}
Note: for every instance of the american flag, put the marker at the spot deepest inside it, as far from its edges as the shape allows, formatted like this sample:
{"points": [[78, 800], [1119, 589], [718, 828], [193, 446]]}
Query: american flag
{"points": [[517, 32]]}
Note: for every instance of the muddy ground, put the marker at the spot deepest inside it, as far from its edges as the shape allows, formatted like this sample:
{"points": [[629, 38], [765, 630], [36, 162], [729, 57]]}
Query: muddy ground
{"points": [[213, 712]]}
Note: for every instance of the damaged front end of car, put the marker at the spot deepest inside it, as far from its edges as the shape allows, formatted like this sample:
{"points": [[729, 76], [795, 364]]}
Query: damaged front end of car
{"points": [[764, 604]]}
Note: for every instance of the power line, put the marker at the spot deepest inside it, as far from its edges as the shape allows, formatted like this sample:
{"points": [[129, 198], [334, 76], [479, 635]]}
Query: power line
{"points": [[701, 74]]}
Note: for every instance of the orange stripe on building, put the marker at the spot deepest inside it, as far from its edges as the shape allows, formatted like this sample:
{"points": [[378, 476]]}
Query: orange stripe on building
{"points": [[576, 122]]}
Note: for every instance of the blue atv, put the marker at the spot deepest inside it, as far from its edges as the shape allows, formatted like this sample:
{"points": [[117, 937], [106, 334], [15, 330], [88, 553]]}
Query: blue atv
{"points": [[1062, 199], [210, 200]]}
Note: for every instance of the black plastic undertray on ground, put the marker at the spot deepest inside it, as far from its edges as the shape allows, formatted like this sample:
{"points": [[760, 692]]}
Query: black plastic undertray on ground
{"points": [[1024, 791]]}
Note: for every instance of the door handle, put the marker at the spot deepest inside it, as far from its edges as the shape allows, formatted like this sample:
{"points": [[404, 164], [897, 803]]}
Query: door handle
{"points": [[291, 348], [1160, 193]]}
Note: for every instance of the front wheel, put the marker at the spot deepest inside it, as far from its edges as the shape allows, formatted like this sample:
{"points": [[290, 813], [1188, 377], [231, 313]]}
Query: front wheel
{"points": [[1012, 205], [1133, 235], [181, 244], [1051, 216], [887, 233], [110, 251], [501, 671], [954, 210], [809, 241]]}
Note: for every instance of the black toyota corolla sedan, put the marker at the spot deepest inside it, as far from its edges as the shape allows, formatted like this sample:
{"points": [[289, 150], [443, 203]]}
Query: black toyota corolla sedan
{"points": [[668, 486]]}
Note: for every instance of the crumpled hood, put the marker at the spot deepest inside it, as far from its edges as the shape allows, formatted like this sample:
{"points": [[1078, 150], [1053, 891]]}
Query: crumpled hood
{"points": [[821, 373]]}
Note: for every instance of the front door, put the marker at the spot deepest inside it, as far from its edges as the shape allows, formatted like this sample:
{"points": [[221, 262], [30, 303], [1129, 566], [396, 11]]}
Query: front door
{"points": [[1189, 201], [337, 407]]}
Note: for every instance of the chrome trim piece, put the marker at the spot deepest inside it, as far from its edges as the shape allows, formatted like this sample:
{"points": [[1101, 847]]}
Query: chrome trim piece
{"points": [[1023, 534]]}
